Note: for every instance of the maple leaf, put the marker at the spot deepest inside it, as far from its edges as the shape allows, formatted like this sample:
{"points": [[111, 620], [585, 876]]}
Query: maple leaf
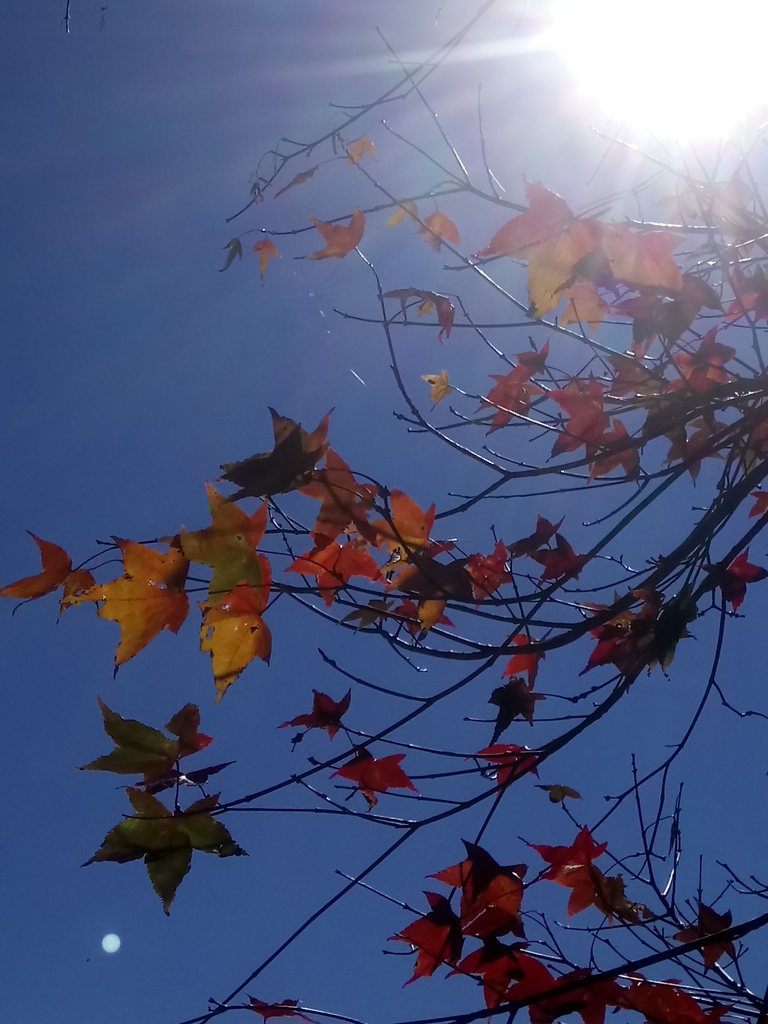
{"points": [[76, 582], [429, 301], [558, 793], [497, 964], [57, 570], [491, 895], [563, 561], [583, 403], [406, 209], [543, 533], [229, 545], [287, 1008], [265, 248], [626, 459], [709, 923], [511, 760], [511, 394], [547, 215], [374, 611], [666, 1004], [289, 464], [301, 178], [608, 896], [642, 261], [552, 265], [326, 714], [234, 633], [437, 936], [375, 775], [589, 1002], [345, 502], [512, 699], [734, 579], [339, 239], [761, 504], [569, 867], [433, 580], [522, 661], [359, 148], [632, 378], [234, 249], [142, 750], [439, 388], [165, 841], [149, 597], [691, 450], [409, 527], [488, 572], [334, 565], [422, 617], [703, 369], [584, 305], [437, 227]]}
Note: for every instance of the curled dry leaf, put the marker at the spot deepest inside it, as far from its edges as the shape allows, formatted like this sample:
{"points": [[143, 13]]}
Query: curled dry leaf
{"points": [[406, 209], [300, 179], [360, 148], [557, 794], [438, 228], [439, 388]]}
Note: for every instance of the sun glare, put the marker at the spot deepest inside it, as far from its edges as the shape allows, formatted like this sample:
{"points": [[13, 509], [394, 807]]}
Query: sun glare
{"points": [[682, 69]]}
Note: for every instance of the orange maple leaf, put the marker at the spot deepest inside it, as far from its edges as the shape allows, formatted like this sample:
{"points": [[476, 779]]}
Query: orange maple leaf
{"points": [[488, 572], [643, 261], [345, 502], [265, 248], [359, 148], [148, 598], [339, 239], [584, 305], [57, 572], [437, 227], [334, 566], [409, 528], [547, 215]]}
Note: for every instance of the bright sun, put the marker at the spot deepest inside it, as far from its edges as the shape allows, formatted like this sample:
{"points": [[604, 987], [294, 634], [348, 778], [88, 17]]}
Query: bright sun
{"points": [[681, 68]]}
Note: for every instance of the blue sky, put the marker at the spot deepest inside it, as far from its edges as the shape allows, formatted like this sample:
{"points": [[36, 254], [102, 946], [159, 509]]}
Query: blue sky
{"points": [[132, 369]]}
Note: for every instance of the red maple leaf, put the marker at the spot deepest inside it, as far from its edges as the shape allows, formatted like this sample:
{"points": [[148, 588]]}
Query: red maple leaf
{"points": [[625, 458], [563, 561], [497, 964], [344, 501], [437, 936], [666, 1004], [543, 533], [512, 760], [511, 394], [488, 572], [490, 894], [288, 1008], [523, 661], [375, 775], [583, 403], [734, 579], [569, 867], [761, 504], [709, 923], [590, 1002], [326, 713], [334, 566], [703, 370]]}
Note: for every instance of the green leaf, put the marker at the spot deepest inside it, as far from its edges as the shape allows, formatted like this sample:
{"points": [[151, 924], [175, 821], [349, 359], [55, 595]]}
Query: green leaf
{"points": [[166, 871], [234, 249]]}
